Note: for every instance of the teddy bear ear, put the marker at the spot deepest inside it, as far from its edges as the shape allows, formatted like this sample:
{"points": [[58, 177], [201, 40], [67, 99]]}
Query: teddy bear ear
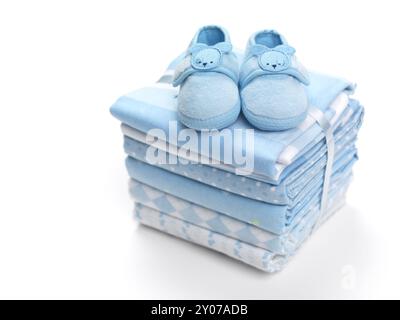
{"points": [[286, 49], [257, 49], [224, 47], [197, 47]]}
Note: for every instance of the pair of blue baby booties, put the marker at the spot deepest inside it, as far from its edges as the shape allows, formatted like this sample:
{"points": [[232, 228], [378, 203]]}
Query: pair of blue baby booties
{"points": [[268, 85]]}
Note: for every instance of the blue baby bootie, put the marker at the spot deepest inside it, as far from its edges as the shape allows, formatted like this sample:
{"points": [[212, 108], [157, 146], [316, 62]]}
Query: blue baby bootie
{"points": [[208, 78], [272, 83]]}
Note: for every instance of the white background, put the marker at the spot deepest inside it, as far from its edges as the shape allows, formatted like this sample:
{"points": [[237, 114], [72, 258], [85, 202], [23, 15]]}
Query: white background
{"points": [[66, 227]]}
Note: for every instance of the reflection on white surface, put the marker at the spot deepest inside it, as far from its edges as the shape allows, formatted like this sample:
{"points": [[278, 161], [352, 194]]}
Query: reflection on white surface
{"points": [[334, 262]]}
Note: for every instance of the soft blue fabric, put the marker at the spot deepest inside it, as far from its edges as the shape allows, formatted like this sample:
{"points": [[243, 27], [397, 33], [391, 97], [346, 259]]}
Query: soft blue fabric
{"points": [[315, 151], [272, 83], [274, 103], [271, 217], [208, 77], [208, 101], [301, 170], [155, 107], [215, 221], [238, 244], [289, 191]]}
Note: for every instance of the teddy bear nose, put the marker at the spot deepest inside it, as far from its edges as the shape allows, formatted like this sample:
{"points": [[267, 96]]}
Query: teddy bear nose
{"points": [[274, 66], [204, 63]]}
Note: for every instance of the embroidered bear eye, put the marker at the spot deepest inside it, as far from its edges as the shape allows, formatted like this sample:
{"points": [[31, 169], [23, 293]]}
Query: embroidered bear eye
{"points": [[211, 61]]}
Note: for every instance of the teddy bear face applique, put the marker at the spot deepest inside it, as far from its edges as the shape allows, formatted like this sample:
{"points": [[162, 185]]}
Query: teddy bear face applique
{"points": [[206, 59], [273, 61]]}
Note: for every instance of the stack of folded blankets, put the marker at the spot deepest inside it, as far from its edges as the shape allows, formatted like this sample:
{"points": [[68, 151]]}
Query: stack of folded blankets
{"points": [[260, 217]]}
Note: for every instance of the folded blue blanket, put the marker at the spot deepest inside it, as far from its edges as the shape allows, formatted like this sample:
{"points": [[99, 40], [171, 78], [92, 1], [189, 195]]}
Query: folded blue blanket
{"points": [[290, 191], [214, 221], [271, 217], [155, 106], [236, 248]]}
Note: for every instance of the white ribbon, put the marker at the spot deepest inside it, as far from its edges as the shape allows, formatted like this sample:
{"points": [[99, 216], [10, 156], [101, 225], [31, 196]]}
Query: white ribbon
{"points": [[325, 125]]}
